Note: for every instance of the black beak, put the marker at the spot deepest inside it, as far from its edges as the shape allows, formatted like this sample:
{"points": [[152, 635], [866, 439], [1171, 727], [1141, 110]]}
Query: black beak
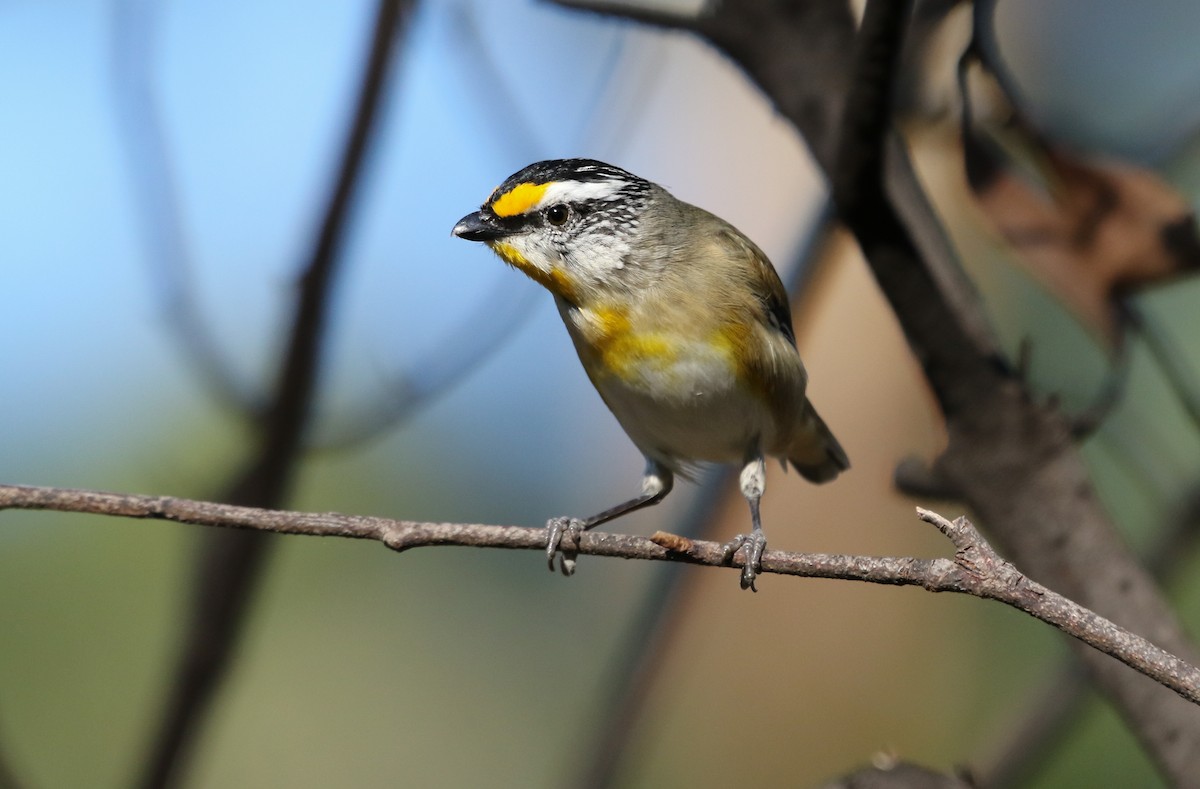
{"points": [[480, 226]]}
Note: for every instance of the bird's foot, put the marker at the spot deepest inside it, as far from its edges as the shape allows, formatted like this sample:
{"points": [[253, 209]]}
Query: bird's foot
{"points": [[563, 530], [754, 543]]}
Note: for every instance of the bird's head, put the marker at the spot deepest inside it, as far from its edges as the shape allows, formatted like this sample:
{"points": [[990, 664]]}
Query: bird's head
{"points": [[566, 223]]}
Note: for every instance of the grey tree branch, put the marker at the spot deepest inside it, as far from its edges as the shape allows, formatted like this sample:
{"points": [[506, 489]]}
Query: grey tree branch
{"points": [[976, 569], [1011, 458]]}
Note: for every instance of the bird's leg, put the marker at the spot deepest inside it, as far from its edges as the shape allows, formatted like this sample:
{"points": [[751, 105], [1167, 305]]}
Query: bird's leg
{"points": [[753, 481], [656, 484]]}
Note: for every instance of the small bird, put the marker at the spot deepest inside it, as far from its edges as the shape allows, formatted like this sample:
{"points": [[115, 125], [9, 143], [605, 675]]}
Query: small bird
{"points": [[681, 324]]}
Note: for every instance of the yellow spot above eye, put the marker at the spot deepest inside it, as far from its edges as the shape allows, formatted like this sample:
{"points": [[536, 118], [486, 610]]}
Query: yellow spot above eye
{"points": [[555, 280], [519, 199]]}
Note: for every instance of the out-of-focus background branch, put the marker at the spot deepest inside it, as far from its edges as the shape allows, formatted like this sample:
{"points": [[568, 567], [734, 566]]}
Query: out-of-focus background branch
{"points": [[230, 566], [1008, 455], [226, 131]]}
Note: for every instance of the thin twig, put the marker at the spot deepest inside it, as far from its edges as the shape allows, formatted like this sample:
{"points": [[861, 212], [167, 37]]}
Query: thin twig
{"points": [[976, 569]]}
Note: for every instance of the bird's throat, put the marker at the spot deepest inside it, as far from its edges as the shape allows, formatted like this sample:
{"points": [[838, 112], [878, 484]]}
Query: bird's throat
{"points": [[556, 280]]}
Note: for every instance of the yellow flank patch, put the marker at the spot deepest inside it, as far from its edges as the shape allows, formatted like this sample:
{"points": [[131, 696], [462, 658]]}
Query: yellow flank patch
{"points": [[737, 341], [555, 280], [519, 199], [734, 340], [625, 352]]}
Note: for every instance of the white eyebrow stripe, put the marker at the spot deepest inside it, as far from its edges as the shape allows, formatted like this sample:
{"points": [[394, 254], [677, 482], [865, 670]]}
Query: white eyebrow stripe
{"points": [[576, 191]]}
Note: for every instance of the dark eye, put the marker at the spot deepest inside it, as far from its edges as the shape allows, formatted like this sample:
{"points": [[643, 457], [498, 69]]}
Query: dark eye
{"points": [[558, 214]]}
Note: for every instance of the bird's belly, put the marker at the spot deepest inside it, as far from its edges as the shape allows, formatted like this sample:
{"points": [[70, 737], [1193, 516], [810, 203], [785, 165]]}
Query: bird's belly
{"points": [[689, 409], [679, 396]]}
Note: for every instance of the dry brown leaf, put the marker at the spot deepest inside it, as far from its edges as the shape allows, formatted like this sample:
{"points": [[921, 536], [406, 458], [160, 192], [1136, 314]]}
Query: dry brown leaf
{"points": [[1090, 230]]}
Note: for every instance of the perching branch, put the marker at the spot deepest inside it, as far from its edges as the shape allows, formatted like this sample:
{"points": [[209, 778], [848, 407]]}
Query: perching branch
{"points": [[976, 569]]}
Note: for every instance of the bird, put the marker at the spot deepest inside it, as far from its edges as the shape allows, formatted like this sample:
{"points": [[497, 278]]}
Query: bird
{"points": [[680, 322]]}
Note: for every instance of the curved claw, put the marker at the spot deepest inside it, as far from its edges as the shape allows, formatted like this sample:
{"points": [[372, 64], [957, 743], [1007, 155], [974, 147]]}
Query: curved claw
{"points": [[755, 543], [558, 528]]}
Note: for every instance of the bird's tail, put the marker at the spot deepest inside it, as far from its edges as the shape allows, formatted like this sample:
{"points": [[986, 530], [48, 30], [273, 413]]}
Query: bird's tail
{"points": [[814, 452]]}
